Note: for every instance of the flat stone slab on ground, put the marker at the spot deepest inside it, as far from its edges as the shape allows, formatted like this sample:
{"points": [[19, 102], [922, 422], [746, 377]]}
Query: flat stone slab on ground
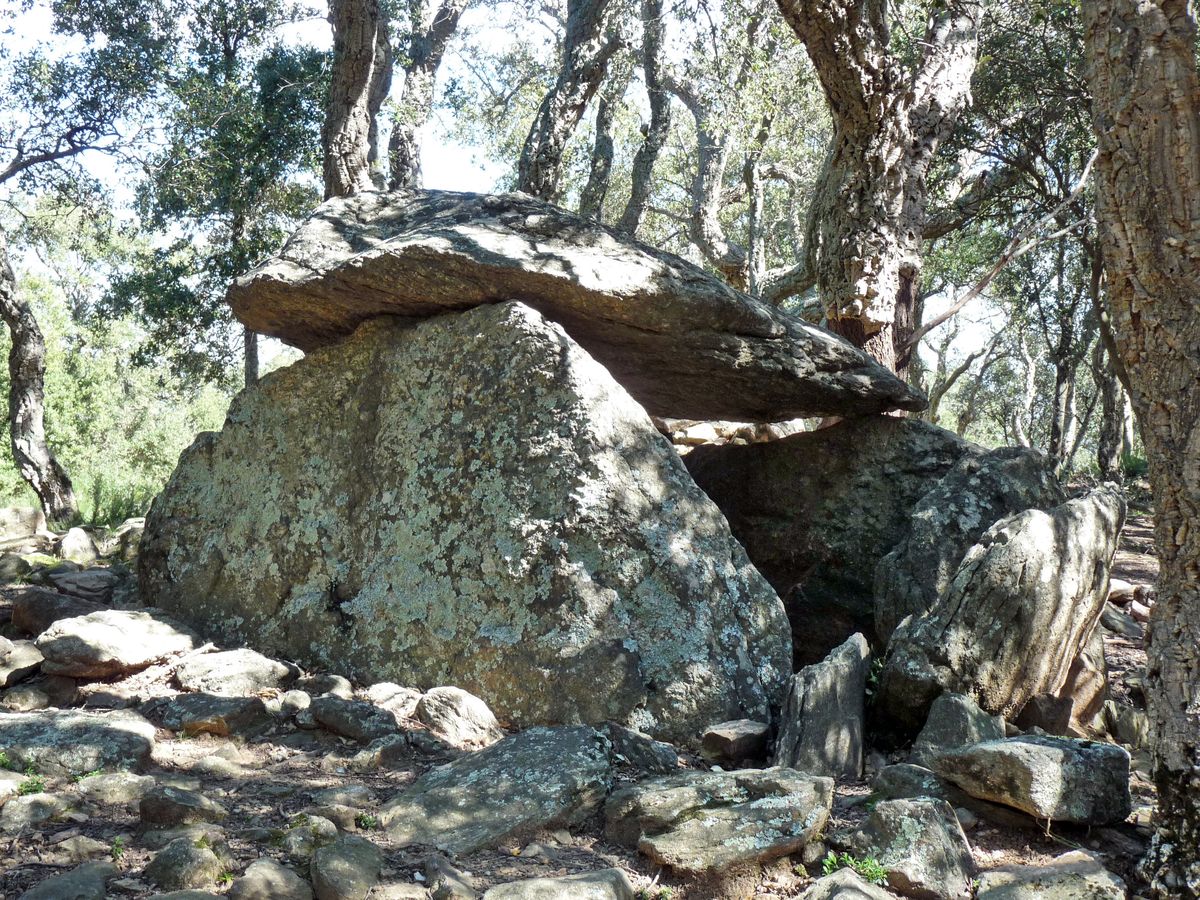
{"points": [[232, 673], [18, 660], [704, 822], [539, 778], [194, 714], [74, 742], [111, 642], [605, 884], [1078, 875], [1062, 779], [844, 884], [681, 341]]}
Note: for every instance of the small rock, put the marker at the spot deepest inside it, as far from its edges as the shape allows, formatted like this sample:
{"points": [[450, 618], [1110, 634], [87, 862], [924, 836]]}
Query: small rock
{"points": [[81, 849], [232, 673], [344, 817], [1128, 725], [921, 845], [354, 719], [183, 864], [954, 721], [34, 609], [356, 795], [735, 741], [1073, 875], [223, 716], [844, 884], [266, 879], [164, 805], [400, 701], [640, 750], [446, 882], [111, 642], [78, 547], [86, 882], [326, 684], [115, 789], [204, 833], [73, 742], [1049, 713], [13, 567], [1056, 778], [1121, 623], [347, 869], [605, 884], [31, 810], [458, 717], [91, 584], [24, 698], [18, 660], [292, 702], [306, 835]]}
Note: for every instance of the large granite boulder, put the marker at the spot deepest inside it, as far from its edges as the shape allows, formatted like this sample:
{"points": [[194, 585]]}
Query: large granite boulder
{"points": [[681, 341], [1022, 605], [818, 512], [472, 501]]}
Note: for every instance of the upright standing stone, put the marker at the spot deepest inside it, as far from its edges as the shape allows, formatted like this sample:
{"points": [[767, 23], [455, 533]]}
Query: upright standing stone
{"points": [[470, 501]]}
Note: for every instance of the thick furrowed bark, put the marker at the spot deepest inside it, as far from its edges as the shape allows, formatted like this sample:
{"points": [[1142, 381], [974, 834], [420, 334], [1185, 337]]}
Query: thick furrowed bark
{"points": [[1146, 112], [26, 372]]}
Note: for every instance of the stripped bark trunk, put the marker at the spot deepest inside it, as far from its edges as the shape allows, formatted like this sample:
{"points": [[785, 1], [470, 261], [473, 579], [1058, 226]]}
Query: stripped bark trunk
{"points": [[26, 373], [250, 356], [1146, 113], [430, 31], [591, 198], [362, 74], [1112, 409], [868, 212], [586, 53], [659, 127]]}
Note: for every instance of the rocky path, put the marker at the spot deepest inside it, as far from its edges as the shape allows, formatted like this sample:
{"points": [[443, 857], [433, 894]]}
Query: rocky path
{"points": [[142, 762]]}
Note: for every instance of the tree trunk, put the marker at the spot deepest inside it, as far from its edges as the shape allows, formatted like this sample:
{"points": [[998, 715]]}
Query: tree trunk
{"points": [[868, 214], [1146, 112], [250, 355], [586, 52], [657, 131], [426, 47], [591, 199], [359, 82], [1112, 419], [26, 399]]}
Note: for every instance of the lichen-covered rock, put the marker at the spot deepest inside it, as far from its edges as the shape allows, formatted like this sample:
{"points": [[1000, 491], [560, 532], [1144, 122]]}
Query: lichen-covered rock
{"points": [[816, 511], [642, 752], [164, 805], [540, 778], [194, 714], [978, 492], [458, 717], [347, 869], [183, 864], [1077, 875], [821, 726], [73, 742], [265, 879], [355, 719], [730, 743], [701, 823], [605, 884], [922, 847], [470, 501], [21, 521], [681, 341], [1062, 779], [232, 673], [954, 721], [906, 781], [111, 642], [1022, 605], [78, 547]]}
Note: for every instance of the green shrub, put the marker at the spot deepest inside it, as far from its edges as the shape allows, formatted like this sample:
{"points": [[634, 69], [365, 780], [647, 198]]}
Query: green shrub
{"points": [[867, 868]]}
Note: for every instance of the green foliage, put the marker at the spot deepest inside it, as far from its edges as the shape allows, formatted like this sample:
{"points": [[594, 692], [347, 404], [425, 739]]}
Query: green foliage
{"points": [[5, 761], [117, 851], [81, 777], [34, 784], [1134, 466], [366, 821], [867, 868]]}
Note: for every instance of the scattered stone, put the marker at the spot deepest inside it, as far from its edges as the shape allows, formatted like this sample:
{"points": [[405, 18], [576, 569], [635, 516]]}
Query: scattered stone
{"points": [[95, 585], [24, 698], [18, 660], [357, 795], [539, 778], [111, 642], [78, 547], [639, 311], [9, 782], [204, 833], [954, 721], [1046, 712], [735, 741], [31, 810], [458, 717], [400, 701], [232, 673], [640, 750], [821, 726], [13, 567], [34, 609], [1062, 779], [905, 781], [445, 564], [1043, 574], [921, 845], [194, 714], [73, 742], [1127, 724], [114, 789], [344, 817], [347, 869], [844, 884], [21, 521], [355, 719], [705, 822], [80, 849], [605, 884], [265, 879], [1078, 875], [165, 805], [446, 882], [86, 882], [324, 683], [305, 836], [182, 864]]}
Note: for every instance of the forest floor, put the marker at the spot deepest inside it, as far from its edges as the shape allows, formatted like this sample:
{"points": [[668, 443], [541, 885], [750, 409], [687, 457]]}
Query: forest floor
{"points": [[268, 783]]}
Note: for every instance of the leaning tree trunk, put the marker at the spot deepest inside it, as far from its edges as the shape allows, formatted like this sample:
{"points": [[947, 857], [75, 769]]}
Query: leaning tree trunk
{"points": [[426, 47], [868, 212], [26, 373], [362, 73], [586, 52], [1146, 112]]}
